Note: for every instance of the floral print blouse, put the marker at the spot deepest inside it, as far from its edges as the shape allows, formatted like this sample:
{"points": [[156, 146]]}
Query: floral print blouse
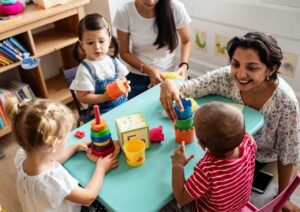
{"points": [[278, 139]]}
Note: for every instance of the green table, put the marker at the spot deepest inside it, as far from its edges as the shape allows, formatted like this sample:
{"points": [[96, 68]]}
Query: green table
{"points": [[147, 187]]}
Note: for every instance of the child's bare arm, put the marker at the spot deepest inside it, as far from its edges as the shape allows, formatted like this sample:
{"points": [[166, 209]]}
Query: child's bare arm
{"points": [[178, 162], [85, 196], [88, 97], [69, 151]]}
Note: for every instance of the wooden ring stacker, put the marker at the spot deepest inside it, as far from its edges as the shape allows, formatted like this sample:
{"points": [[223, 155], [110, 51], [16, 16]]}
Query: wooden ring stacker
{"points": [[95, 158], [98, 127]]}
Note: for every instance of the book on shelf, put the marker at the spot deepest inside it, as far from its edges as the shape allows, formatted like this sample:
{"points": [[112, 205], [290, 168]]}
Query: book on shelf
{"points": [[7, 56], [1, 123], [17, 44], [22, 86], [9, 45], [9, 52]]}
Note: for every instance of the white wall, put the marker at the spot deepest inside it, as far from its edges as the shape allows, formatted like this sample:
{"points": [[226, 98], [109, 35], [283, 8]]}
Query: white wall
{"points": [[236, 17]]}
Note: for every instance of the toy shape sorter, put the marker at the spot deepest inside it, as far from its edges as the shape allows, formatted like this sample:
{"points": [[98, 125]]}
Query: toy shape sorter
{"points": [[132, 126], [102, 144], [184, 127]]}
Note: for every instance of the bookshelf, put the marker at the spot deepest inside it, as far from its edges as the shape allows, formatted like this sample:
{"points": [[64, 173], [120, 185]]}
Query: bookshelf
{"points": [[43, 31]]}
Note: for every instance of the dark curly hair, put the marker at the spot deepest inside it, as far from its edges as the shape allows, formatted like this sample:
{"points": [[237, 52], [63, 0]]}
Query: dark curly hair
{"points": [[265, 45]]}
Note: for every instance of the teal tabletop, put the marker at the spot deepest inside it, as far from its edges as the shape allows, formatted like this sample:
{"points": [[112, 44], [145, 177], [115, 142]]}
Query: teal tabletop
{"points": [[147, 187]]}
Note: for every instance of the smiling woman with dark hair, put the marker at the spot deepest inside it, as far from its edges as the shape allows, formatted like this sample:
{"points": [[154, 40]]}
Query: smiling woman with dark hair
{"points": [[251, 79]]}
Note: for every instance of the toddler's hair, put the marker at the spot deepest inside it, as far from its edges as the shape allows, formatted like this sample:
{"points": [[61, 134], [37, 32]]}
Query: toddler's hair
{"points": [[220, 127], [93, 22], [38, 122]]}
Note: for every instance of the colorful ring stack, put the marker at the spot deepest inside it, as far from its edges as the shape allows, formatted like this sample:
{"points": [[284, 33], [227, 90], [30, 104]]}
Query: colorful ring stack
{"points": [[184, 127], [102, 144]]}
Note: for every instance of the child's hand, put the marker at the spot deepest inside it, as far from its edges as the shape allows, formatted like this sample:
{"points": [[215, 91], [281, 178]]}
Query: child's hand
{"points": [[108, 162], [84, 146], [179, 157]]}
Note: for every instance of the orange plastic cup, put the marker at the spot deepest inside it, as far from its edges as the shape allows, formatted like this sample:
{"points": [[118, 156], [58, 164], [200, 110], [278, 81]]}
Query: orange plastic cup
{"points": [[184, 135], [117, 88]]}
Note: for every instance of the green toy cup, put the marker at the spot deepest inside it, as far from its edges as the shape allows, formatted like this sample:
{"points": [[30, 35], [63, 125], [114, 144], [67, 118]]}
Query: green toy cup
{"points": [[185, 124]]}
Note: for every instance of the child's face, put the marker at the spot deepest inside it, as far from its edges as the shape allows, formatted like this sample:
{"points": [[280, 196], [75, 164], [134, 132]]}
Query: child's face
{"points": [[95, 43]]}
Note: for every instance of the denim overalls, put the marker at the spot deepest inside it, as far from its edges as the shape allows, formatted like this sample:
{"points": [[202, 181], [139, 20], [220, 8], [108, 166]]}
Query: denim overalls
{"points": [[100, 87]]}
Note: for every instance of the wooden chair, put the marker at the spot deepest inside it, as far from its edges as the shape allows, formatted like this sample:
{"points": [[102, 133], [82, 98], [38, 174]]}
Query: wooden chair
{"points": [[277, 203], [69, 76]]}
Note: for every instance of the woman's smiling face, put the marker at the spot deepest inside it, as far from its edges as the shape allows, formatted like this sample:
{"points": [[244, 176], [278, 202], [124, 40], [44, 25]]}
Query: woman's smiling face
{"points": [[247, 69]]}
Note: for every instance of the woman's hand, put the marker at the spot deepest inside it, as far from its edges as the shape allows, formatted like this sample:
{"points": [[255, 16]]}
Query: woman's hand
{"points": [[154, 75], [169, 93], [182, 71], [290, 207]]}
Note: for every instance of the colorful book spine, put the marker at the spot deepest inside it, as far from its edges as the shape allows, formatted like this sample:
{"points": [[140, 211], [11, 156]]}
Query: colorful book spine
{"points": [[9, 51], [17, 44], [3, 118], [7, 56], [4, 61], [1, 123], [11, 47]]}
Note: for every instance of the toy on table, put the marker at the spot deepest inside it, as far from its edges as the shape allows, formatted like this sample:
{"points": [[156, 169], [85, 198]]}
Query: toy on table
{"points": [[79, 134], [10, 7], [156, 134], [172, 75], [117, 88], [194, 107], [102, 144], [134, 151], [132, 126], [184, 126]]}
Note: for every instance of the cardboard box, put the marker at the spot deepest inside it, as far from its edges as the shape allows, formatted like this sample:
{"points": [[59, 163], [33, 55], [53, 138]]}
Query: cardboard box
{"points": [[132, 126]]}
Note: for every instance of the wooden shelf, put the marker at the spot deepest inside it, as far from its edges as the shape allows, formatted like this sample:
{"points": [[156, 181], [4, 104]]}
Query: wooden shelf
{"points": [[5, 131], [52, 40], [58, 89], [8, 67], [43, 31]]}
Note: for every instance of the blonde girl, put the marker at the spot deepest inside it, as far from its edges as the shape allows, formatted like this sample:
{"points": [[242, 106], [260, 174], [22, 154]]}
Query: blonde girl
{"points": [[41, 128]]}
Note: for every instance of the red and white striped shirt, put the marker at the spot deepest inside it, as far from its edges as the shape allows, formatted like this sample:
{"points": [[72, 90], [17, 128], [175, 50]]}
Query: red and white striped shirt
{"points": [[219, 184]]}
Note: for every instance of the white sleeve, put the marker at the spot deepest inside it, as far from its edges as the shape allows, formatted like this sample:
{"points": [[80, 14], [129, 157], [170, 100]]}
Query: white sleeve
{"points": [[123, 69], [121, 20], [60, 183], [83, 80], [181, 16]]}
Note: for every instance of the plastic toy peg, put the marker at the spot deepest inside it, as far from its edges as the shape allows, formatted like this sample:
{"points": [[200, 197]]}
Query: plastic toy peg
{"points": [[187, 113], [79, 134], [156, 134], [97, 114], [117, 88]]}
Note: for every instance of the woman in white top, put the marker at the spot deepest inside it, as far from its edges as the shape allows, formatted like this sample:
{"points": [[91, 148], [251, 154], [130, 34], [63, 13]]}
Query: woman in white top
{"points": [[152, 26], [251, 79]]}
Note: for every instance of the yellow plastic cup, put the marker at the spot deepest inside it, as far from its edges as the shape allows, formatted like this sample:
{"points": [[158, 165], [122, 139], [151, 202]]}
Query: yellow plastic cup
{"points": [[134, 150]]}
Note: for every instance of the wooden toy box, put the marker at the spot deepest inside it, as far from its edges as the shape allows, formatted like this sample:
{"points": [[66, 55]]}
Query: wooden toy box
{"points": [[132, 126]]}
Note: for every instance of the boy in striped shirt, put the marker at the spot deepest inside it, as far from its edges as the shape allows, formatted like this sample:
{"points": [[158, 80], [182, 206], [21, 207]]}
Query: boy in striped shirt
{"points": [[222, 179]]}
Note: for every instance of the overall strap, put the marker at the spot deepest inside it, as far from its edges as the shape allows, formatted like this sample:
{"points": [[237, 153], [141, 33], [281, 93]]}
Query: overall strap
{"points": [[116, 65], [90, 69]]}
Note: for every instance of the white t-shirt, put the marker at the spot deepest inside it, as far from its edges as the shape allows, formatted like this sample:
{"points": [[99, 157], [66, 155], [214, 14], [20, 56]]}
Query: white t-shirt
{"points": [[46, 191], [143, 34], [104, 69]]}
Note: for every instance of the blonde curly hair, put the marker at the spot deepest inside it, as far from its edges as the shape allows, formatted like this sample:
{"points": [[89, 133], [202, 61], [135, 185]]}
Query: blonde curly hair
{"points": [[38, 122]]}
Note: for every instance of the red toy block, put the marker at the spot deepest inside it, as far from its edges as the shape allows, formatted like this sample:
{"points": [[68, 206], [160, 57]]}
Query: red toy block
{"points": [[79, 134]]}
